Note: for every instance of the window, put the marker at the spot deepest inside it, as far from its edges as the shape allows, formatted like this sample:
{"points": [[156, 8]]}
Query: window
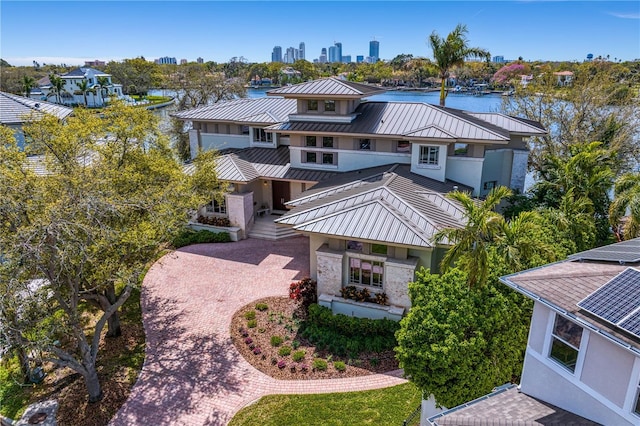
{"points": [[403, 146], [217, 207], [329, 105], [310, 157], [366, 272], [565, 342], [311, 141], [379, 249], [364, 144], [327, 142], [354, 245], [460, 149], [259, 135], [327, 158], [429, 155], [490, 185], [636, 407], [312, 105], [245, 130]]}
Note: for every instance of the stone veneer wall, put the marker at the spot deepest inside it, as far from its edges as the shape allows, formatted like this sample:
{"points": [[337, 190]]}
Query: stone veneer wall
{"points": [[397, 274], [240, 211]]}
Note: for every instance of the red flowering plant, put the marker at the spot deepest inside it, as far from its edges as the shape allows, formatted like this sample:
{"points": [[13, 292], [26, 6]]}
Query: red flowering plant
{"points": [[304, 291]]}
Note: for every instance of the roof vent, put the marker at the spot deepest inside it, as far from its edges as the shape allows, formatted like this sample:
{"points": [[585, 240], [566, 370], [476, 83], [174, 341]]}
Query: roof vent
{"points": [[455, 187], [37, 105]]}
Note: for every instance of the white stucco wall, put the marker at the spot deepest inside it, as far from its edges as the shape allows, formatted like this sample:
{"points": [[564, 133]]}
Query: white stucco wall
{"points": [[519, 169], [466, 170], [434, 172], [599, 389], [497, 167], [217, 141], [348, 160]]}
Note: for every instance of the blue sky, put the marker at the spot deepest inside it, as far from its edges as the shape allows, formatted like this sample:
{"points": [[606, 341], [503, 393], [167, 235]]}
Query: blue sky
{"points": [[73, 31]]}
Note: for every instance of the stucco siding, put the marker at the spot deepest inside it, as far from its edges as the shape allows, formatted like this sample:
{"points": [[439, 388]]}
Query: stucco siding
{"points": [[466, 170], [496, 168], [607, 369], [216, 141], [424, 258], [537, 330], [431, 171], [541, 381]]}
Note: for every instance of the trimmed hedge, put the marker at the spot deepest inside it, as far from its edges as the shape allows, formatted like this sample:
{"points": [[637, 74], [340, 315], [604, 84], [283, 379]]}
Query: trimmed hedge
{"points": [[344, 335], [189, 236]]}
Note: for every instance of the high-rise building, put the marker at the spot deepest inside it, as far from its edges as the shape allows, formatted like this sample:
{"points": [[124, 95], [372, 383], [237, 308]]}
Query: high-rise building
{"points": [[291, 55], [200, 60], [346, 59], [323, 55], [166, 60], [338, 52], [374, 50], [183, 61], [332, 54], [301, 49], [498, 59], [360, 59], [276, 55]]}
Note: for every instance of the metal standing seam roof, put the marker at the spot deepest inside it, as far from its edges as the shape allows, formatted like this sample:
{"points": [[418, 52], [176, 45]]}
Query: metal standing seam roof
{"points": [[406, 119], [511, 123], [16, 109], [258, 110], [385, 207], [245, 165], [328, 87], [82, 71]]}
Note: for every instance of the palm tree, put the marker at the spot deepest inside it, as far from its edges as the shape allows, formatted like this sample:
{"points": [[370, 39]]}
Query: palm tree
{"points": [[452, 51], [626, 199], [470, 244], [57, 86], [103, 83], [84, 88], [28, 83]]}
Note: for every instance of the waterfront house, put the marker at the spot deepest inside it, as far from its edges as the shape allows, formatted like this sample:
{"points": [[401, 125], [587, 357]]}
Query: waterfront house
{"points": [[564, 78], [582, 362], [364, 180], [100, 88], [16, 110]]}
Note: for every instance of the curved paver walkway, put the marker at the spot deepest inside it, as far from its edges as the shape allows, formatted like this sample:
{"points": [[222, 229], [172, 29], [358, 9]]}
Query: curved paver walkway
{"points": [[192, 374]]}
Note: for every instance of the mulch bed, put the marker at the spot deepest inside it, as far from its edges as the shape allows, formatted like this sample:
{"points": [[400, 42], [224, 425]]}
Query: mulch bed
{"points": [[282, 318]]}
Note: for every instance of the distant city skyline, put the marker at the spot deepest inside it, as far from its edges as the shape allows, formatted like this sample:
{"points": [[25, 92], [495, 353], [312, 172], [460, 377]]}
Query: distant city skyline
{"points": [[219, 30]]}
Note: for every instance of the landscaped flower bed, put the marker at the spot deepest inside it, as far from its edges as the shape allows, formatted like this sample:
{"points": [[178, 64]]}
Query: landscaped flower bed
{"points": [[267, 334]]}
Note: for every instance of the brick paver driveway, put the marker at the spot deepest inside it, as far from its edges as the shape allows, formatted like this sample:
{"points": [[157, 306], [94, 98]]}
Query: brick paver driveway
{"points": [[192, 373]]}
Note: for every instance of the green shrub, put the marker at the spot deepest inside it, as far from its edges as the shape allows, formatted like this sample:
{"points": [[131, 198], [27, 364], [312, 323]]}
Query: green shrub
{"points": [[295, 344], [252, 323], [262, 306], [284, 351], [320, 364], [276, 341], [339, 365], [298, 356], [250, 315], [343, 335], [189, 236]]}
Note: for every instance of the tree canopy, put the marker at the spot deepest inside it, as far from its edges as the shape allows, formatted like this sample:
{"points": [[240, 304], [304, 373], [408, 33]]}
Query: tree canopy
{"points": [[110, 195]]}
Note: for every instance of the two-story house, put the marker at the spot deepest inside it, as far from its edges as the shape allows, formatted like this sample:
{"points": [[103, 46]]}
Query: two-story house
{"points": [[582, 362], [17, 110], [364, 180], [99, 84]]}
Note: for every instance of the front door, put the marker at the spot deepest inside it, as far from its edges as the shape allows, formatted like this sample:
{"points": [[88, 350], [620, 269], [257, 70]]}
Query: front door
{"points": [[281, 194]]}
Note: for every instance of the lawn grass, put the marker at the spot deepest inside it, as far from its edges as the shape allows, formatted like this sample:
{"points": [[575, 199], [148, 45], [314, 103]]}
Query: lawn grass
{"points": [[389, 406], [14, 397]]}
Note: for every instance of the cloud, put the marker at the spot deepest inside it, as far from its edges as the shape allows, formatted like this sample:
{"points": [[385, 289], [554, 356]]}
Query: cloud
{"points": [[625, 15]]}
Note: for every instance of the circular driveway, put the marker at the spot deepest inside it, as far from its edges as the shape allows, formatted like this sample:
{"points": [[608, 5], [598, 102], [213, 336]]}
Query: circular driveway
{"points": [[192, 374]]}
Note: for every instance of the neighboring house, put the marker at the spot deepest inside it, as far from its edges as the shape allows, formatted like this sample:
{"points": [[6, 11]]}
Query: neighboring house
{"points": [[525, 80], [16, 110], [582, 364], [71, 94], [365, 180], [564, 78]]}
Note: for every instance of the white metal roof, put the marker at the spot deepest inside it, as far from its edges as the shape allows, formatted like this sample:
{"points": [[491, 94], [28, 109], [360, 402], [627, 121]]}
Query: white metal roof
{"points": [[16, 109]]}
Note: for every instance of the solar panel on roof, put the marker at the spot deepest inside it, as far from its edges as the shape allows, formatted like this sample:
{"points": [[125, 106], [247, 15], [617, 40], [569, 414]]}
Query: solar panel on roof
{"points": [[617, 301], [632, 323], [623, 252]]}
